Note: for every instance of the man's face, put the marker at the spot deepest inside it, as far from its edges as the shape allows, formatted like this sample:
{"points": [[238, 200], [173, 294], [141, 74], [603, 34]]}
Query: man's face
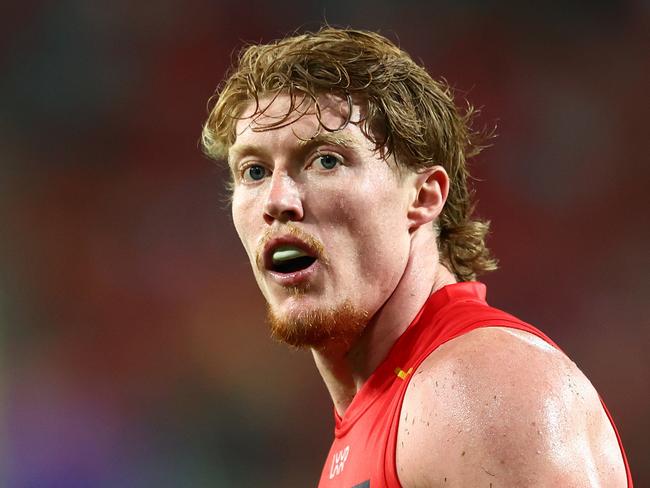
{"points": [[322, 217]]}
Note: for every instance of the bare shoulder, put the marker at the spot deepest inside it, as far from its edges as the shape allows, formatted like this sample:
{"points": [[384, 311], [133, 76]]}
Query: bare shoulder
{"points": [[501, 407]]}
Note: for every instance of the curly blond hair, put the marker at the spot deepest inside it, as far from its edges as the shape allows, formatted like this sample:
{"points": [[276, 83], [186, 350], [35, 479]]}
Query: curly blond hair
{"points": [[407, 114]]}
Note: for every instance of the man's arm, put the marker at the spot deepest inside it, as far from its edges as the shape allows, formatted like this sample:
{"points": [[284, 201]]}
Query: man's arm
{"points": [[500, 407]]}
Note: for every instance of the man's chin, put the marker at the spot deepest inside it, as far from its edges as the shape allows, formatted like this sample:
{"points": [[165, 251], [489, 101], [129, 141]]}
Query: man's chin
{"points": [[316, 328]]}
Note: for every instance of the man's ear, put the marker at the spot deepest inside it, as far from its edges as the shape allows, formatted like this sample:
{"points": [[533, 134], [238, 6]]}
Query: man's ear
{"points": [[431, 189]]}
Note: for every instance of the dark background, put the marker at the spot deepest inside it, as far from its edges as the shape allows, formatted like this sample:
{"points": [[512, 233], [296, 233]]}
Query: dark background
{"points": [[134, 348]]}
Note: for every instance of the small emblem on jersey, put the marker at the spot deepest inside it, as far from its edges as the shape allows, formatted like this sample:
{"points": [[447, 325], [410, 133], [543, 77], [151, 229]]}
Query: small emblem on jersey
{"points": [[401, 374], [338, 461]]}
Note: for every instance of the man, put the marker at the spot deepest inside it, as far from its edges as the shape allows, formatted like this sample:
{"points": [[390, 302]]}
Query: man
{"points": [[350, 196]]}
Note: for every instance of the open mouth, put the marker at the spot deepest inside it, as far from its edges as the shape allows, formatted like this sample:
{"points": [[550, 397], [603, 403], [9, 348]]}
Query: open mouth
{"points": [[289, 259]]}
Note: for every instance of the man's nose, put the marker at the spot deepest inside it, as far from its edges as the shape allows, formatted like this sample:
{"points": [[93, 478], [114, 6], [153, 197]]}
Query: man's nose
{"points": [[283, 202]]}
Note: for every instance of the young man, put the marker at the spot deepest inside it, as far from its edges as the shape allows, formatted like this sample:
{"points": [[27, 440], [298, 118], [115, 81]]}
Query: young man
{"points": [[349, 194]]}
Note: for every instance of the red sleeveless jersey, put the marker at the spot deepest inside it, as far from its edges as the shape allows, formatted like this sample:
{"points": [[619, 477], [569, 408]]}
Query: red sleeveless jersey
{"points": [[363, 452]]}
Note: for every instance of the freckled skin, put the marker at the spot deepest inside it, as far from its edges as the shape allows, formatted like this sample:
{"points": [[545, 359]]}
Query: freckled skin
{"points": [[357, 210], [521, 415]]}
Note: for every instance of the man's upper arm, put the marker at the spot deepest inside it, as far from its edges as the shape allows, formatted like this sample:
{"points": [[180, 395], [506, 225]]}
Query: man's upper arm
{"points": [[498, 407]]}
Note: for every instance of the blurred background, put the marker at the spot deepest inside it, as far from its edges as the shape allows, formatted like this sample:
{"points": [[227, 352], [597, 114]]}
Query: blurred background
{"points": [[134, 353]]}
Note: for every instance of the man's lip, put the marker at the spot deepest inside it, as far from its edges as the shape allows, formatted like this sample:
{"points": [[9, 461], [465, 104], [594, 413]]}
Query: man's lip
{"points": [[289, 240], [295, 278]]}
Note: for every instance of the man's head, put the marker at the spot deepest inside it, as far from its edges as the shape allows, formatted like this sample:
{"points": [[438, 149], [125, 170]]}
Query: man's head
{"points": [[333, 139]]}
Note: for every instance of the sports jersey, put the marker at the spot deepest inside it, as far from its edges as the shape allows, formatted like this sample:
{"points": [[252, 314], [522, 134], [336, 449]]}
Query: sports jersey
{"points": [[363, 452]]}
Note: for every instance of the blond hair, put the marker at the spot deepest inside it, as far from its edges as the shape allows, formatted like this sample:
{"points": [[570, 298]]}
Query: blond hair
{"points": [[407, 114]]}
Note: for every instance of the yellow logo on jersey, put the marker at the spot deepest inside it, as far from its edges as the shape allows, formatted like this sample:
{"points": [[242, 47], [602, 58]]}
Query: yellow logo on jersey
{"points": [[401, 374]]}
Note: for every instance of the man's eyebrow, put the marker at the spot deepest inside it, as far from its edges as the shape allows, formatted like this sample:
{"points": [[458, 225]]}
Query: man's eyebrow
{"points": [[238, 151], [332, 138]]}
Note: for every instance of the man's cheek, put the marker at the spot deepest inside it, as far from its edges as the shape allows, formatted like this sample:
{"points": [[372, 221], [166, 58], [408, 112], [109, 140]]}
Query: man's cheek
{"points": [[247, 243]]}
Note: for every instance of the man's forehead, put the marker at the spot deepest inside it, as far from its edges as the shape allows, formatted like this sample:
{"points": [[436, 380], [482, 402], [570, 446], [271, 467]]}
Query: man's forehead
{"points": [[328, 122], [279, 105], [299, 110]]}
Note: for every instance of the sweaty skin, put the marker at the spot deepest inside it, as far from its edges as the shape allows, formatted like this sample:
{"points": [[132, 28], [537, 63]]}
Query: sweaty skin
{"points": [[513, 412], [501, 407], [369, 218]]}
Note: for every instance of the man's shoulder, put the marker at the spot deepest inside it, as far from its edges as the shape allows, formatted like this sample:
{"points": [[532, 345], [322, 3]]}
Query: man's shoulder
{"points": [[497, 363], [501, 403], [496, 355]]}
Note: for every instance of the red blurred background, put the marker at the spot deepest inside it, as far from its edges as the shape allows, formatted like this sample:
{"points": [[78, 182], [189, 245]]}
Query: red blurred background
{"points": [[134, 348]]}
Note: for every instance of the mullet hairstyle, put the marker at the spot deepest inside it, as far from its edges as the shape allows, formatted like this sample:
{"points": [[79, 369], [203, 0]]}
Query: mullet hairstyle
{"points": [[406, 113]]}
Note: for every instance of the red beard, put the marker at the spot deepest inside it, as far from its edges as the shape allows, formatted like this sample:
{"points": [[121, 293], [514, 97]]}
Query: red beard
{"points": [[318, 328]]}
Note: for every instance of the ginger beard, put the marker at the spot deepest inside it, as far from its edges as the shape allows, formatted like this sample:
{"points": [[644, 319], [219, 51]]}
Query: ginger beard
{"points": [[318, 328], [312, 328]]}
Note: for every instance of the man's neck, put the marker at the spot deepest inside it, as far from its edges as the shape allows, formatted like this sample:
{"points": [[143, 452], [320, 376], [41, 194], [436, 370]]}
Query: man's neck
{"points": [[346, 369]]}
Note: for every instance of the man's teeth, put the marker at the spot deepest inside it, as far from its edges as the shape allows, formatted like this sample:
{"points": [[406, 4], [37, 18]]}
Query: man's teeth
{"points": [[285, 253]]}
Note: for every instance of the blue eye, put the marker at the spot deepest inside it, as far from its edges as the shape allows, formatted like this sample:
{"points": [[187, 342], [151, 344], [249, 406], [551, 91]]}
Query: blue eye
{"points": [[328, 161], [255, 172]]}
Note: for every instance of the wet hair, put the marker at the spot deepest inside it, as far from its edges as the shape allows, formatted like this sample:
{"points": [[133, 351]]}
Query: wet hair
{"points": [[406, 114]]}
